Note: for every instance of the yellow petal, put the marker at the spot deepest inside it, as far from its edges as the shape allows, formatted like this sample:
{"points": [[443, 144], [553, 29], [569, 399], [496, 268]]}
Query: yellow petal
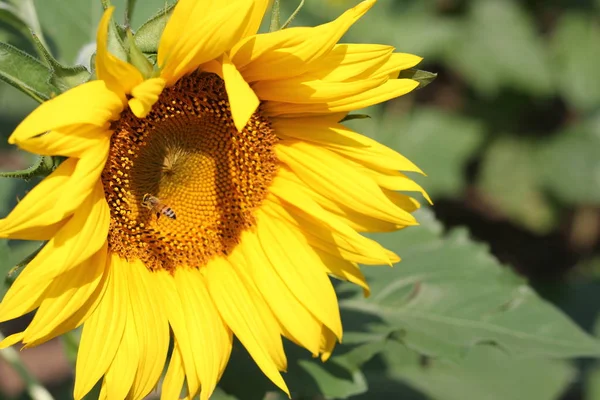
{"points": [[194, 36], [347, 61], [103, 331], [242, 99], [332, 176], [119, 377], [66, 295], [389, 90], [38, 216], [212, 342], [322, 130], [327, 343], [145, 95], [287, 53], [79, 316], [35, 217], [302, 271], [175, 376], [300, 325], [302, 91], [151, 327], [391, 68], [344, 270], [355, 248], [82, 236], [11, 340], [119, 75], [68, 141], [179, 324], [248, 317], [258, 11], [347, 214], [88, 104]]}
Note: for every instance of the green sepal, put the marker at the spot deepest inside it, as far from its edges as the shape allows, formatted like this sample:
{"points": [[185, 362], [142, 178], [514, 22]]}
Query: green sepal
{"points": [[62, 77], [116, 36], [43, 166], [424, 78], [137, 58], [148, 35], [26, 73], [350, 117]]}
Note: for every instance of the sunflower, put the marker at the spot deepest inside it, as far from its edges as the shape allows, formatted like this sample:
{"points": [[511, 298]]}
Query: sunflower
{"points": [[214, 197]]}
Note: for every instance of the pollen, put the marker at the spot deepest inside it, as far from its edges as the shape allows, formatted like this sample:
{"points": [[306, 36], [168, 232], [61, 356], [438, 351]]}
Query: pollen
{"points": [[188, 157]]}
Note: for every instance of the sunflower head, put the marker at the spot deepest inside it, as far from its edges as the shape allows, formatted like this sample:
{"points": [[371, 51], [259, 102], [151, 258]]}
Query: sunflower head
{"points": [[213, 194]]}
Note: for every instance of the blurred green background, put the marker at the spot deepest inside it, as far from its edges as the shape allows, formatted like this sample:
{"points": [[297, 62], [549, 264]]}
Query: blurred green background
{"points": [[509, 132]]}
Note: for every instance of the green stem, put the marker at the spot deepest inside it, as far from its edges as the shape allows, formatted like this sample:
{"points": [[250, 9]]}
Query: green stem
{"points": [[129, 12], [35, 390], [42, 167], [291, 18], [275, 21]]}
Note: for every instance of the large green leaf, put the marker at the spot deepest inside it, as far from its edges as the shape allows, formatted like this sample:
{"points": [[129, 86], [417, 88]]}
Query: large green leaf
{"points": [[449, 295], [509, 182], [484, 373], [25, 73], [577, 53], [499, 47]]}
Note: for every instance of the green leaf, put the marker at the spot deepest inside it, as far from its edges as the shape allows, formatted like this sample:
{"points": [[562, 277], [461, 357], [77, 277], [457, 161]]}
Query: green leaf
{"points": [[25, 73], [148, 36], [449, 295], [423, 77], [499, 47], [575, 44], [452, 138], [484, 373], [509, 183], [569, 163], [63, 77]]}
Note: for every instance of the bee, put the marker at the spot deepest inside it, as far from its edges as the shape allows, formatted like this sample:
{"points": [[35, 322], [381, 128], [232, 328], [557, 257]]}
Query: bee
{"points": [[154, 204]]}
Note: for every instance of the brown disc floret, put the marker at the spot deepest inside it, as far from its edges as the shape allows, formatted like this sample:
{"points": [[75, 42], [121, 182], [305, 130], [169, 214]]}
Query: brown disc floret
{"points": [[188, 155]]}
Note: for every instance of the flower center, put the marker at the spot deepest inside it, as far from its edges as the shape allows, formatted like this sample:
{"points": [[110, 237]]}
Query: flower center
{"points": [[182, 183]]}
